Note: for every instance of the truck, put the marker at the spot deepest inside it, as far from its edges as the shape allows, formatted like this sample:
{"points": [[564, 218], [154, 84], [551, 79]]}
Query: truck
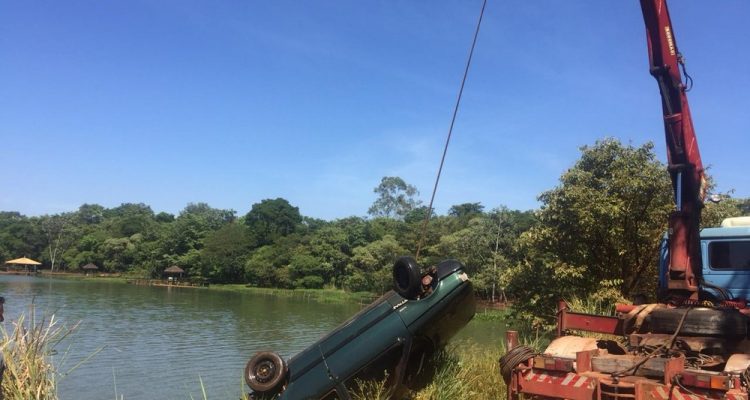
{"points": [[693, 342], [725, 260]]}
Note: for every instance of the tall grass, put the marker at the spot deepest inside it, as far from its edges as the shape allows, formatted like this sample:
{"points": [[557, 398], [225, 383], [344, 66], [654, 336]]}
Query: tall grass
{"points": [[326, 295], [26, 350], [465, 371]]}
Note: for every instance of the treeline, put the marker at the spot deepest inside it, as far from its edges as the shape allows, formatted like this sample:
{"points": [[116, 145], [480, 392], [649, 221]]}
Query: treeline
{"points": [[595, 234]]}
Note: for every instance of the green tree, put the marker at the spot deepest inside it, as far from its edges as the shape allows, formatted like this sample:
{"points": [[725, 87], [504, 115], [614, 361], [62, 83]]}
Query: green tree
{"points": [[60, 232], [371, 265], [224, 253], [19, 236], [90, 214], [331, 247], [602, 223], [267, 266], [271, 219], [395, 199], [308, 271], [466, 210], [713, 213]]}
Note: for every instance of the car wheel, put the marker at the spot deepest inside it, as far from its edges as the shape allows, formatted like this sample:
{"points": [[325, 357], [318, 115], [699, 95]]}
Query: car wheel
{"points": [[406, 279], [699, 322], [265, 372]]}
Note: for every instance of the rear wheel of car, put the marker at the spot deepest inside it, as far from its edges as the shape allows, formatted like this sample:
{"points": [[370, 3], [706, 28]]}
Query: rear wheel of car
{"points": [[699, 322], [406, 279], [265, 372]]}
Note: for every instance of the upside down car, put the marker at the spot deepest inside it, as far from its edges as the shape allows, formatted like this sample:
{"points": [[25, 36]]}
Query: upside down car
{"points": [[391, 340]]}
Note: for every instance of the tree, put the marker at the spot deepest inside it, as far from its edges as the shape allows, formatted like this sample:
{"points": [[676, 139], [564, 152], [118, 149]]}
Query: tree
{"points": [[19, 236], [331, 247], [602, 223], [58, 229], [271, 219], [713, 213], [90, 213], [466, 210], [224, 253], [371, 265], [129, 219], [487, 246], [395, 199]]}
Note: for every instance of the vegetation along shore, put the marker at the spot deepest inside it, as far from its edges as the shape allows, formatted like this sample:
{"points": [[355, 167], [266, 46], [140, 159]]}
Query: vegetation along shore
{"points": [[535, 256]]}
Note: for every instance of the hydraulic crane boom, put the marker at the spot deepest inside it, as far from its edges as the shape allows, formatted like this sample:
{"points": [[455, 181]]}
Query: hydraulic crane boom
{"points": [[685, 166]]}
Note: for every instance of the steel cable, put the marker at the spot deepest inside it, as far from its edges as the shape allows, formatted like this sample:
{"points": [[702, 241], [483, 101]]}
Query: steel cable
{"points": [[450, 133]]}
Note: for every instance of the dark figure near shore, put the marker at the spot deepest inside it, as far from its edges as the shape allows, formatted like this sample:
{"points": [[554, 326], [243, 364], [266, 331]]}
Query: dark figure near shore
{"points": [[2, 302]]}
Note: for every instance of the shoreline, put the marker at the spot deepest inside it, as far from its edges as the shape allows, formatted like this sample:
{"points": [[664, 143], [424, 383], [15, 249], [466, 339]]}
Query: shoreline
{"points": [[487, 310]]}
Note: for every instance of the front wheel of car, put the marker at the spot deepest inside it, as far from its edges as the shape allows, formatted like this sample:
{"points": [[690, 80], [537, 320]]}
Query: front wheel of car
{"points": [[406, 278], [265, 372]]}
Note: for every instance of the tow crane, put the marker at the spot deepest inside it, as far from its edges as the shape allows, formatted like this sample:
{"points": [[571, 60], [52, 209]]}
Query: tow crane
{"points": [[693, 344]]}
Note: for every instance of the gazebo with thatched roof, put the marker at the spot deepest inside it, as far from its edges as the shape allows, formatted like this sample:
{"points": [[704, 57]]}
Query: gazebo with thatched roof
{"points": [[90, 268], [174, 272]]}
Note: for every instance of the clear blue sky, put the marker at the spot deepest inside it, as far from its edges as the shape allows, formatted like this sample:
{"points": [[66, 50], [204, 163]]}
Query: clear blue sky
{"points": [[232, 102]]}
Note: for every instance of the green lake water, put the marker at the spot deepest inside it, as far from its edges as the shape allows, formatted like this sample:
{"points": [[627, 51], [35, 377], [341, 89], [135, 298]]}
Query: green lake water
{"points": [[160, 343]]}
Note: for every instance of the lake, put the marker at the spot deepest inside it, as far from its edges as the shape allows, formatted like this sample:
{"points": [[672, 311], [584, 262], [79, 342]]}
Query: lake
{"points": [[161, 343]]}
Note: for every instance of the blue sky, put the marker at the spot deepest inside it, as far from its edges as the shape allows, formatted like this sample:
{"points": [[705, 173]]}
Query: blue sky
{"points": [[232, 102]]}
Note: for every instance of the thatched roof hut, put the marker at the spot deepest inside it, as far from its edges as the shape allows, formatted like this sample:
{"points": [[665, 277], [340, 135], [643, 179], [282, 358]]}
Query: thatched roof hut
{"points": [[90, 267], [174, 271]]}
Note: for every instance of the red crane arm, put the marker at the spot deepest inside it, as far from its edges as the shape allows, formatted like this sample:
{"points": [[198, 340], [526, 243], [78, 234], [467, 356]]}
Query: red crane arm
{"points": [[685, 166]]}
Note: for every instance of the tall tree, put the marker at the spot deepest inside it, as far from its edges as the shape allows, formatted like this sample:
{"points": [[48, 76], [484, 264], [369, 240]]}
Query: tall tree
{"points": [[396, 198], [466, 210], [225, 252], [602, 223], [272, 219], [58, 229]]}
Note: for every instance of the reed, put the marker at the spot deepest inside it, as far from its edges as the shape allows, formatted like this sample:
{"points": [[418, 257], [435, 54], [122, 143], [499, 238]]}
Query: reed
{"points": [[26, 353]]}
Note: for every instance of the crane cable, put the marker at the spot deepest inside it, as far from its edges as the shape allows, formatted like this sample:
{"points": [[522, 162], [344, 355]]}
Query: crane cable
{"points": [[450, 132]]}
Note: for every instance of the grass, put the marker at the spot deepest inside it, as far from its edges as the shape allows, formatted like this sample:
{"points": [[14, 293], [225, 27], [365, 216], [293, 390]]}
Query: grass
{"points": [[492, 314], [320, 295], [465, 371], [26, 351], [326, 295]]}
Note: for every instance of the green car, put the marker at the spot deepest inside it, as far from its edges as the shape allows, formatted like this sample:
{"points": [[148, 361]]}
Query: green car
{"points": [[390, 340]]}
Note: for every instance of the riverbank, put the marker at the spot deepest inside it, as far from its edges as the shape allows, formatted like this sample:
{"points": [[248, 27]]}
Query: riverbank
{"points": [[326, 295], [485, 310]]}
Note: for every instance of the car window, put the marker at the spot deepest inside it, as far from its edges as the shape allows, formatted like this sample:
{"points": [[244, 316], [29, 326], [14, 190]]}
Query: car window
{"points": [[377, 371], [729, 254]]}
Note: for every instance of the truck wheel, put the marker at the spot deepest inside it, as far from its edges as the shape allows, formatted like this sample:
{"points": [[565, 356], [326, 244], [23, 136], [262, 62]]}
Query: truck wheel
{"points": [[406, 279], [699, 322], [265, 372]]}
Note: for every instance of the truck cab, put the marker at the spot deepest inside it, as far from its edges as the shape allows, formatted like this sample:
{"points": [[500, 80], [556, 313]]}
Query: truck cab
{"points": [[725, 254]]}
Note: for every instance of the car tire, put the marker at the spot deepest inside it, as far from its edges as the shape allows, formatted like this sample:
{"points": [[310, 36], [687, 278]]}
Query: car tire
{"points": [[265, 372], [699, 321], [406, 278]]}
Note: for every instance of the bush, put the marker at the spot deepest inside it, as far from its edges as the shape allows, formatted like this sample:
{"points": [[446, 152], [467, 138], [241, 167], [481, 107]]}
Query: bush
{"points": [[309, 282]]}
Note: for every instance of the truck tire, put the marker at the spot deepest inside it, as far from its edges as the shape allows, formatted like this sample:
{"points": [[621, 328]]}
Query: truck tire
{"points": [[406, 278], [513, 358], [699, 322], [265, 372]]}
